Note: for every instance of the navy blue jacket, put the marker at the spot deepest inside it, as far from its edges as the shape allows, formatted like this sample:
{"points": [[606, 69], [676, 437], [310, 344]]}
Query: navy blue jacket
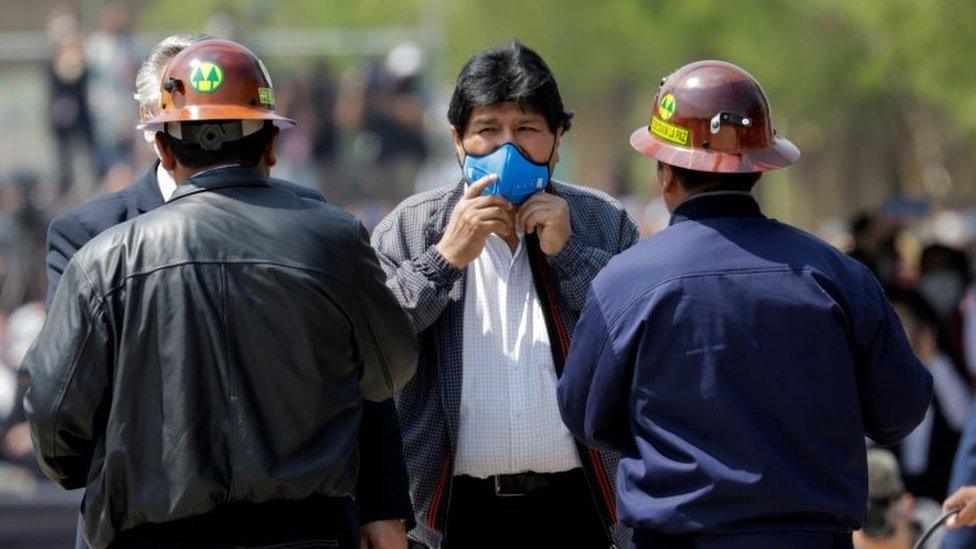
{"points": [[382, 489], [737, 363]]}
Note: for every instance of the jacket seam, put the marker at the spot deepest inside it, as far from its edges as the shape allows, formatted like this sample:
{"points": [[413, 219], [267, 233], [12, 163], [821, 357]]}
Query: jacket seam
{"points": [[240, 261], [91, 284], [63, 390], [613, 323], [232, 386], [387, 376]]}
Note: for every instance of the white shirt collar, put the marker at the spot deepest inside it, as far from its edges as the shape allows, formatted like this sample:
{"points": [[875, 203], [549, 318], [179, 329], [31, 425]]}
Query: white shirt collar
{"points": [[167, 185]]}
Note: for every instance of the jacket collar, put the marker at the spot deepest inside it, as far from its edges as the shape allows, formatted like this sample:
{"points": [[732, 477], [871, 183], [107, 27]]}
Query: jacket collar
{"points": [[147, 194], [220, 178], [716, 204]]}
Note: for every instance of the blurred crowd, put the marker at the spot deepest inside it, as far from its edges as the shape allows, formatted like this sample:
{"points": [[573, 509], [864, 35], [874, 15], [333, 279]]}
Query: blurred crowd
{"points": [[924, 260]]}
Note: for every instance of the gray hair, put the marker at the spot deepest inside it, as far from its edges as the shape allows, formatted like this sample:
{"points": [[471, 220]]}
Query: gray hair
{"points": [[148, 77]]}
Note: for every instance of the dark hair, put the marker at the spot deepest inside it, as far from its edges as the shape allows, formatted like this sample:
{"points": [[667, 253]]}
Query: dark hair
{"points": [[917, 306], [696, 181], [247, 150], [939, 256], [510, 73], [861, 223]]}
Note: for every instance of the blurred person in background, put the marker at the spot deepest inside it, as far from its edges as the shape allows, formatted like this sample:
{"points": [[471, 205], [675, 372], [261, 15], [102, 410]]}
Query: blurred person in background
{"points": [[874, 246], [21, 240], [112, 61], [395, 117], [968, 311], [926, 455], [258, 447], [384, 111], [736, 362], [313, 97], [21, 328], [69, 115], [323, 93], [492, 270], [382, 488], [310, 151], [889, 523], [944, 277]]}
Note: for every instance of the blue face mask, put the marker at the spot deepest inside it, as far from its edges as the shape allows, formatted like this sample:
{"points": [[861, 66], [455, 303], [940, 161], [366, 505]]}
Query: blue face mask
{"points": [[518, 177]]}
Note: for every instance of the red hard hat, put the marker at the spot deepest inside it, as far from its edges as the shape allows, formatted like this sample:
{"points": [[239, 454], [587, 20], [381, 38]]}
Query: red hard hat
{"points": [[215, 80], [712, 116]]}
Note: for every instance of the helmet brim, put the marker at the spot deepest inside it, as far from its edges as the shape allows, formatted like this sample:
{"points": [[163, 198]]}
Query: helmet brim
{"points": [[200, 113], [780, 154]]}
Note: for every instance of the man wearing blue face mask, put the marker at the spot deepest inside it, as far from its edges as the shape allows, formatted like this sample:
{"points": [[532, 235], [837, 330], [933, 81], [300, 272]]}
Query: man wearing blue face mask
{"points": [[493, 270]]}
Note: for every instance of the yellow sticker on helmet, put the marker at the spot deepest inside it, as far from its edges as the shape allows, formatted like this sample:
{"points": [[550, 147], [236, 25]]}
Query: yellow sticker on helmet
{"points": [[666, 108], [669, 132], [206, 77]]}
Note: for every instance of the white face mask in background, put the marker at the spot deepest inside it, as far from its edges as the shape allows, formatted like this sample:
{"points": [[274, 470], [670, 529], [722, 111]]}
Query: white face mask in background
{"points": [[943, 290]]}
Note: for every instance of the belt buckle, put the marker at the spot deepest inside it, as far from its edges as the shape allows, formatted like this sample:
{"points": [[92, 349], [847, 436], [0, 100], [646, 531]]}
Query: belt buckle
{"points": [[498, 489]]}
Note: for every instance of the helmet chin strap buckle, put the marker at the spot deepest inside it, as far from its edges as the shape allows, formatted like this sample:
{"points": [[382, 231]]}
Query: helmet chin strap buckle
{"points": [[211, 137], [716, 123]]}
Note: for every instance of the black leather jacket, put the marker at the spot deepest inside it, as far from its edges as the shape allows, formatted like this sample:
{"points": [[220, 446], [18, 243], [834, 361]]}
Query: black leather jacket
{"points": [[214, 350]]}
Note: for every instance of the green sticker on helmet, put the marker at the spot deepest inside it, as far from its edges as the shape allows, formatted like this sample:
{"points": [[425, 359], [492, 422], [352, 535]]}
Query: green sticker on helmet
{"points": [[266, 96], [666, 109], [207, 77]]}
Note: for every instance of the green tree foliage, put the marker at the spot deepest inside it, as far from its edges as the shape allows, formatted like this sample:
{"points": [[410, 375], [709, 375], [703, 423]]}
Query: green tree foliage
{"points": [[879, 94]]}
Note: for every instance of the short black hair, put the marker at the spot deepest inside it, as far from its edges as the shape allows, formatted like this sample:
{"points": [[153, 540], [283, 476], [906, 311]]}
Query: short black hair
{"points": [[694, 181], [247, 150], [510, 73], [917, 306], [940, 256]]}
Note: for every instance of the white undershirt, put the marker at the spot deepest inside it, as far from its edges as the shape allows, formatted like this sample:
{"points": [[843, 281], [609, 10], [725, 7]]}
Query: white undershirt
{"points": [[167, 185], [509, 419]]}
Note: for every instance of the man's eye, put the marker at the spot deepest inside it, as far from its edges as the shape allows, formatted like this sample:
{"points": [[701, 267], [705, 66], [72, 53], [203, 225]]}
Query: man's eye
{"points": [[528, 129], [486, 130]]}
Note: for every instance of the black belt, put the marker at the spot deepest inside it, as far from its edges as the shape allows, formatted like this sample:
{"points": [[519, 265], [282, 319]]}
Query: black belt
{"points": [[520, 484]]}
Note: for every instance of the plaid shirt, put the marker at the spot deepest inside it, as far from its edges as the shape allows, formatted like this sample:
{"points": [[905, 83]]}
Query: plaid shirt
{"points": [[431, 291]]}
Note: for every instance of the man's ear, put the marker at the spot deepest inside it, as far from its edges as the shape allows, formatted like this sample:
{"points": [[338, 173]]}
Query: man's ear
{"points": [[166, 157], [458, 146], [270, 157], [665, 178], [555, 150]]}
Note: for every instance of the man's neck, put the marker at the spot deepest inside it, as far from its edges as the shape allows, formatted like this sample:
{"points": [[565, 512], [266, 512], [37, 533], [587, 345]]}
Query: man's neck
{"points": [[183, 174], [702, 194], [513, 237]]}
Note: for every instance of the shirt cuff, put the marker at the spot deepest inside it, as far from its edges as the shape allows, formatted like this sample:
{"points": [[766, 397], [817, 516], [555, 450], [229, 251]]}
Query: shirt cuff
{"points": [[437, 269], [566, 261]]}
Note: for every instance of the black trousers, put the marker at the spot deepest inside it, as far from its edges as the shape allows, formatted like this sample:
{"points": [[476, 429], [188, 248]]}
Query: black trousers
{"points": [[316, 522], [561, 514]]}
